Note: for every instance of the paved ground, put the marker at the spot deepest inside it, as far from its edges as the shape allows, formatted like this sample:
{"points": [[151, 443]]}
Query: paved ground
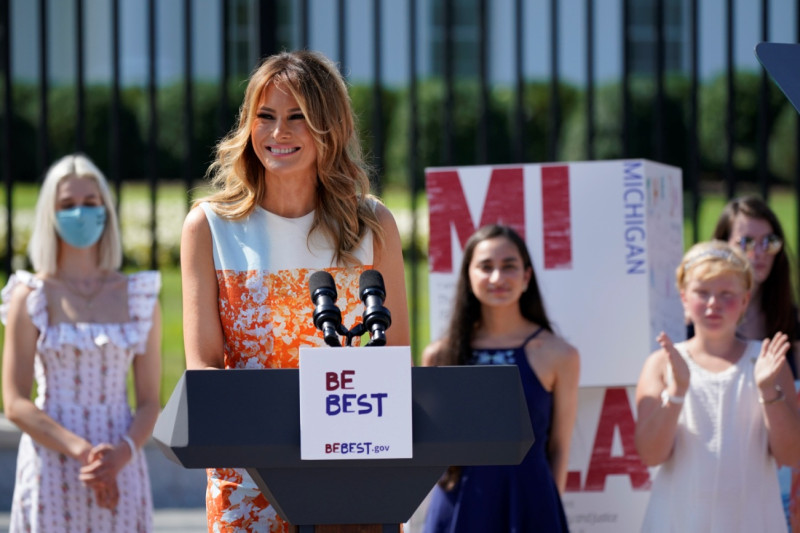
{"points": [[194, 521], [191, 521], [178, 493], [166, 521]]}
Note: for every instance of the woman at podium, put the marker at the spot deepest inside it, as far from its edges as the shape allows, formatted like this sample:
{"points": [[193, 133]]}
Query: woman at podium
{"points": [[292, 196], [499, 318]]}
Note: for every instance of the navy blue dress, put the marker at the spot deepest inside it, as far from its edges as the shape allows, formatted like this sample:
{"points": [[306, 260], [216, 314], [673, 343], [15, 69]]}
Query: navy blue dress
{"points": [[519, 499]]}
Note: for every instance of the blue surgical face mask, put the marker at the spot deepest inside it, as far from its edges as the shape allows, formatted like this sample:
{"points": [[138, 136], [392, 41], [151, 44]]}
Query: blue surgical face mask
{"points": [[81, 226]]}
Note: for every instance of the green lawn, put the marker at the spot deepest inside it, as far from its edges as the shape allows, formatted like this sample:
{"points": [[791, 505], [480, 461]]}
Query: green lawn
{"points": [[172, 203], [171, 198]]}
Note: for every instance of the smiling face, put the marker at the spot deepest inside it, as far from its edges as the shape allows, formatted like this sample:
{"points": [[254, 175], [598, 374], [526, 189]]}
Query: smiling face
{"points": [[755, 230], [497, 274], [280, 136]]}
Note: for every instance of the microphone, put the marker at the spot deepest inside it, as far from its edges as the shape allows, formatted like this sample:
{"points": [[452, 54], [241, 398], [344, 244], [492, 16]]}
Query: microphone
{"points": [[327, 316], [377, 318]]}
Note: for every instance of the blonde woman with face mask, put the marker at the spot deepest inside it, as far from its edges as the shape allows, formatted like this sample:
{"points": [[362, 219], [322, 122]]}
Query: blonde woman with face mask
{"points": [[76, 327]]}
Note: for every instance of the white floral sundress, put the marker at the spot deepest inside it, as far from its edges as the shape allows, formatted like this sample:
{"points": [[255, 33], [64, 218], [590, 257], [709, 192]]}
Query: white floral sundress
{"points": [[81, 376]]}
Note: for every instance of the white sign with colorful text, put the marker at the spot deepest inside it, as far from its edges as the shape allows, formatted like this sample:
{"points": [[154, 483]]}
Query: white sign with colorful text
{"points": [[608, 486], [355, 403], [605, 238]]}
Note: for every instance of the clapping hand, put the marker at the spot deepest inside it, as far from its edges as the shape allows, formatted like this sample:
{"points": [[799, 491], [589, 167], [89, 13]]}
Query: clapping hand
{"points": [[680, 370], [770, 360]]}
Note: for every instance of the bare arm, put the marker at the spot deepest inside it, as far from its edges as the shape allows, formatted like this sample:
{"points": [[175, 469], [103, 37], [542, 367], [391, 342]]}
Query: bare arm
{"points": [[202, 329], [19, 350], [107, 459], [147, 381], [389, 262], [657, 424], [781, 416], [565, 411]]}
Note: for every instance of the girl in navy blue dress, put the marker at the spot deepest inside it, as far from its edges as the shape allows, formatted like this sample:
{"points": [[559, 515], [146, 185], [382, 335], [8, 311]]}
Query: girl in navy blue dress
{"points": [[499, 318]]}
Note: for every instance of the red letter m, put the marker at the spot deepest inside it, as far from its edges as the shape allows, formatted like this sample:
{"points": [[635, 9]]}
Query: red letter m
{"points": [[447, 205]]}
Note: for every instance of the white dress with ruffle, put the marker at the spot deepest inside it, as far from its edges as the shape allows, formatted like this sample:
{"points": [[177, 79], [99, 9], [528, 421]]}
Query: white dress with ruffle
{"points": [[81, 374]]}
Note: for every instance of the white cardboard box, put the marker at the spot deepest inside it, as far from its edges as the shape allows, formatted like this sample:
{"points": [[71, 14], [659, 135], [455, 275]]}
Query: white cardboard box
{"points": [[605, 238]]}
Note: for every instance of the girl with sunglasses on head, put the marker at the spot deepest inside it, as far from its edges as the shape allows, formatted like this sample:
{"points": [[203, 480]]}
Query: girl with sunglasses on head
{"points": [[749, 224]]}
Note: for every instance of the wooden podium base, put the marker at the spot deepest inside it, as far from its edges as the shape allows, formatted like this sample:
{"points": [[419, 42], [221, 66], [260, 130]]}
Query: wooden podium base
{"points": [[350, 528]]}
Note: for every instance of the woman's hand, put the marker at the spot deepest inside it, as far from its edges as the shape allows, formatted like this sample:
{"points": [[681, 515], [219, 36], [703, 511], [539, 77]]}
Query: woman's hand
{"points": [[100, 469], [104, 462], [769, 363], [657, 421], [677, 366], [107, 495]]}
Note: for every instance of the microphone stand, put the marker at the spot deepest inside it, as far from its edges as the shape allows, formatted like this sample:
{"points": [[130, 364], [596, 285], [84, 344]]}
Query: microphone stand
{"points": [[356, 331]]}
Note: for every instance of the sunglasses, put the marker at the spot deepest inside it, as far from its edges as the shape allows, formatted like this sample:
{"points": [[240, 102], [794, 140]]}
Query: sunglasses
{"points": [[770, 244]]}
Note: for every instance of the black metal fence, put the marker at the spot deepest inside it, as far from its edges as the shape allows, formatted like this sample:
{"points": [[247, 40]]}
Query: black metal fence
{"points": [[655, 106]]}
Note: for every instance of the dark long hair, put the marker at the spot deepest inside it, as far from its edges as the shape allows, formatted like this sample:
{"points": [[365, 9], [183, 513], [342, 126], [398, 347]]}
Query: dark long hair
{"points": [[467, 308], [777, 301]]}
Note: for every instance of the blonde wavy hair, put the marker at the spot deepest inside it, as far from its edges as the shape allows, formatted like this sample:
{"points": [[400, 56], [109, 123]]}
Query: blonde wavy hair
{"points": [[345, 208], [709, 259]]}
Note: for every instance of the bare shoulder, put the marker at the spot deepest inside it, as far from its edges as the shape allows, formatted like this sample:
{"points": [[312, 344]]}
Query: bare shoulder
{"points": [[196, 221], [196, 232], [557, 349], [432, 354], [17, 309], [385, 217], [389, 251], [656, 360], [654, 370], [20, 293]]}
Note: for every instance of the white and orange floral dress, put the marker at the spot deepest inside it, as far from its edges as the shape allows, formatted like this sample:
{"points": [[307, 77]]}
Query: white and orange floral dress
{"points": [[263, 264], [81, 372]]}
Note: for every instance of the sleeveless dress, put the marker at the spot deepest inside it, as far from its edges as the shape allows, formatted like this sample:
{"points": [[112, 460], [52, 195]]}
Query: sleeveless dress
{"points": [[81, 374], [263, 265], [515, 499], [720, 477]]}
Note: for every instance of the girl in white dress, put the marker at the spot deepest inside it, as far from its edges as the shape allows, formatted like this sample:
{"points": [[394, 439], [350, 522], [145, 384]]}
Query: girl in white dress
{"points": [[716, 411], [76, 327]]}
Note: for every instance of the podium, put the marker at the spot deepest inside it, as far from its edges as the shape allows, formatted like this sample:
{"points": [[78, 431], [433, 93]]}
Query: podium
{"points": [[464, 415]]}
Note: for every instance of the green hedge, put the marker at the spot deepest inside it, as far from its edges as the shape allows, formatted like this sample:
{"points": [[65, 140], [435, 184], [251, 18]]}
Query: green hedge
{"points": [[134, 126]]}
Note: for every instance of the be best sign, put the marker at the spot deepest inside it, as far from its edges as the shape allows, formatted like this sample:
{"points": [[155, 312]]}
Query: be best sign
{"points": [[355, 403]]}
